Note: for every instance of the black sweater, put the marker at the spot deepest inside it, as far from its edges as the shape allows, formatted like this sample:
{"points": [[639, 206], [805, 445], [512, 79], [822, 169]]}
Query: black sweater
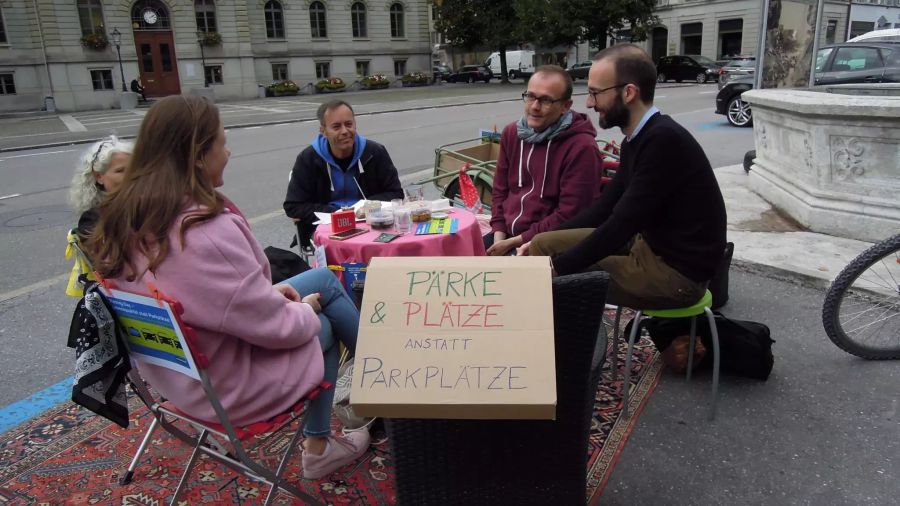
{"points": [[309, 189], [665, 190]]}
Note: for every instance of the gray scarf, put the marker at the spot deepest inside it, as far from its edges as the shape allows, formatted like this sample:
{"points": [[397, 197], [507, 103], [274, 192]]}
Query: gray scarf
{"points": [[527, 134]]}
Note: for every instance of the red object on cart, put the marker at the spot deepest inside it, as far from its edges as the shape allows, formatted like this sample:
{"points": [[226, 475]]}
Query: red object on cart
{"points": [[468, 192]]}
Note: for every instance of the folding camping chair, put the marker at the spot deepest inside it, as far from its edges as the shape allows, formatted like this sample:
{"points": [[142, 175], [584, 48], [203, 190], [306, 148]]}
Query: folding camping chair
{"points": [[172, 344]]}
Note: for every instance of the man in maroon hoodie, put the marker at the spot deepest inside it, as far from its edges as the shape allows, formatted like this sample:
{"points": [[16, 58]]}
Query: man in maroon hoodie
{"points": [[549, 165]]}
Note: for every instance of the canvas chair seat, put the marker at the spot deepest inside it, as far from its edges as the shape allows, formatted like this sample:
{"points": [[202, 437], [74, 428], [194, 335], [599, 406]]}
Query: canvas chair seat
{"points": [[255, 429]]}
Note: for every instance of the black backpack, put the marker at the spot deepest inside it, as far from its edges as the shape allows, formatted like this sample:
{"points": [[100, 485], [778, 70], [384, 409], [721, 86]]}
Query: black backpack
{"points": [[745, 347]]}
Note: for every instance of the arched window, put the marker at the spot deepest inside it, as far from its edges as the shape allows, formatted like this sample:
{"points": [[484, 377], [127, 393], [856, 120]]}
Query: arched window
{"points": [[206, 15], [317, 20], [274, 20], [150, 15], [90, 14], [358, 20], [397, 21]]}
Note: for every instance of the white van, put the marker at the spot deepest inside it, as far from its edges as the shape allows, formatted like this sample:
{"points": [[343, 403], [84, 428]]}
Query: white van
{"points": [[519, 63]]}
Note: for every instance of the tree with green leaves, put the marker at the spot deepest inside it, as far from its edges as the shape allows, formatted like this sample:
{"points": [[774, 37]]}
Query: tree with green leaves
{"points": [[472, 23]]}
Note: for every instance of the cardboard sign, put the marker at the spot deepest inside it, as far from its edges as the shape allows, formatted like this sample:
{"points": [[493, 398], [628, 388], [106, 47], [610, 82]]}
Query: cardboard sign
{"points": [[456, 337]]}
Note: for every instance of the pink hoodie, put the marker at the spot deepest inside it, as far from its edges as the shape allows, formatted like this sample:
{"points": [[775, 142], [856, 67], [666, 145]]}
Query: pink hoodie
{"points": [[539, 186], [263, 349]]}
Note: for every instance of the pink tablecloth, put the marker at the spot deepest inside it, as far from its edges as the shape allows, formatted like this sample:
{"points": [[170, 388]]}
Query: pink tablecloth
{"points": [[362, 248]]}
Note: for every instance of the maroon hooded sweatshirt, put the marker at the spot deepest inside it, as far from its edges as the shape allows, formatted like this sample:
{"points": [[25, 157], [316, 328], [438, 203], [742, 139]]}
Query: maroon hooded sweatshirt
{"points": [[539, 186]]}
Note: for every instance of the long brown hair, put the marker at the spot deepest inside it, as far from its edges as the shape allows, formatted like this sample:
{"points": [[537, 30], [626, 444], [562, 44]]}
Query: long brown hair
{"points": [[160, 181]]}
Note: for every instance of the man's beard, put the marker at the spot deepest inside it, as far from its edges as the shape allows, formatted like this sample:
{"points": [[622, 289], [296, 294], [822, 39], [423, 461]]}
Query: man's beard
{"points": [[616, 116]]}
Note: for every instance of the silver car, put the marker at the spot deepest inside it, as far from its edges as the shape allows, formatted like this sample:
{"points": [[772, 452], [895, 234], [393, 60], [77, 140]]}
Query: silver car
{"points": [[734, 69]]}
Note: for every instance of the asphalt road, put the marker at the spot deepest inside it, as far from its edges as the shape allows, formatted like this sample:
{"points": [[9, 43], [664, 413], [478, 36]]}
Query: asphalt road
{"points": [[34, 312]]}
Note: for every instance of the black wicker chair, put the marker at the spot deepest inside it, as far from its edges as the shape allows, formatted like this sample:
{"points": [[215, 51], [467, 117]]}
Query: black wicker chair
{"points": [[521, 462]]}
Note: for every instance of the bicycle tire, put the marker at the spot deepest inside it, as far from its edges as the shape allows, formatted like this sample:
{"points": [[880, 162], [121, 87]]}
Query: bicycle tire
{"points": [[870, 280]]}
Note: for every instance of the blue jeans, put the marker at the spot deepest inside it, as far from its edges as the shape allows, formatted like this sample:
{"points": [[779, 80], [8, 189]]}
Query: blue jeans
{"points": [[340, 322]]}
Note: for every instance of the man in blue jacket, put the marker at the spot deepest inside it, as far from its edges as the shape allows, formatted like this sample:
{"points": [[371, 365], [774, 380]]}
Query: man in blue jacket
{"points": [[339, 168]]}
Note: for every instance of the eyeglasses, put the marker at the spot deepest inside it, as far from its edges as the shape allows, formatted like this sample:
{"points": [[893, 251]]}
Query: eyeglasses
{"points": [[531, 98], [97, 155], [593, 94]]}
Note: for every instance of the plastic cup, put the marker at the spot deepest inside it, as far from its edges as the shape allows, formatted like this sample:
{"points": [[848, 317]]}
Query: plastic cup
{"points": [[402, 219], [415, 193]]}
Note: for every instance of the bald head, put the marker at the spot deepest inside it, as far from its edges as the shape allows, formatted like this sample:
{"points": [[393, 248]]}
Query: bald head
{"points": [[632, 66]]}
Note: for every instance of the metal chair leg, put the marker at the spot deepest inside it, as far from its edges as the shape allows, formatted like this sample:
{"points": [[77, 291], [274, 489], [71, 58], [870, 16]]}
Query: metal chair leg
{"points": [[626, 382], [284, 460], [715, 340], [690, 366], [129, 474], [187, 470], [614, 365]]}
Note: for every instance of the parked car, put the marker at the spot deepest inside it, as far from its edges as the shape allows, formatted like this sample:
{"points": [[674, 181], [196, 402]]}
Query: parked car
{"points": [[579, 70], [883, 35], [737, 68], [858, 62], [729, 103], [471, 73], [519, 63], [686, 67], [441, 72]]}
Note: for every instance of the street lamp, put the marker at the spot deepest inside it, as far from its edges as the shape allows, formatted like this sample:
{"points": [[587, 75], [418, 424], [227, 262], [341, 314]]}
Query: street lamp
{"points": [[116, 37], [201, 38]]}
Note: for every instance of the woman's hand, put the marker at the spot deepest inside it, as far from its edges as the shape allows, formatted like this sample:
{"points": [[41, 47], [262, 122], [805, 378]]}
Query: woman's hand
{"points": [[313, 301], [288, 292]]}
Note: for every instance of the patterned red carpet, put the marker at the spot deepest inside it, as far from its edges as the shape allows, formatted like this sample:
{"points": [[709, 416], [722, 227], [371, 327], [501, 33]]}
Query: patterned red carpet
{"points": [[69, 456]]}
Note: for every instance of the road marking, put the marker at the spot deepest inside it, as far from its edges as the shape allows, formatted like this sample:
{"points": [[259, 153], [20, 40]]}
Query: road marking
{"points": [[35, 404], [139, 112], [37, 154], [18, 292], [264, 109], [129, 119], [72, 124], [708, 92], [10, 196]]}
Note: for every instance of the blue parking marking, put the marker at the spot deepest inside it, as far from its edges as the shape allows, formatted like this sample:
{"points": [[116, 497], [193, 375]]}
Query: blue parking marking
{"points": [[37, 403]]}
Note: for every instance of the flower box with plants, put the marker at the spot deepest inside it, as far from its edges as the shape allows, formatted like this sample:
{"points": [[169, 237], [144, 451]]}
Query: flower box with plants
{"points": [[97, 41], [375, 82], [414, 79], [330, 85], [282, 88], [210, 38]]}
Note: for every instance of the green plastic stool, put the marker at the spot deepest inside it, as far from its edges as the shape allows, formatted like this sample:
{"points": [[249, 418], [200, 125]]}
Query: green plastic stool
{"points": [[703, 306]]}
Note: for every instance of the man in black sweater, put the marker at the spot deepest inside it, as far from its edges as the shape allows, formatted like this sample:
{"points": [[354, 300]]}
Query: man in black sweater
{"points": [[659, 228], [339, 168]]}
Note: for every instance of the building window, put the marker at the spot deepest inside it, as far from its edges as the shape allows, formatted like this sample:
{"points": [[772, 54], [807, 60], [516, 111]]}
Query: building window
{"points": [[858, 28], [399, 67], [90, 14], [362, 68], [397, 21], [730, 35], [323, 70], [213, 74], [2, 29], [102, 79], [7, 84], [206, 15], [317, 20], [274, 20], [279, 71], [831, 31], [691, 38], [358, 20]]}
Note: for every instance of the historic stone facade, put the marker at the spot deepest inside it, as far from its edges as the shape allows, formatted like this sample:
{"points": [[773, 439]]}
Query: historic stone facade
{"points": [[245, 43]]}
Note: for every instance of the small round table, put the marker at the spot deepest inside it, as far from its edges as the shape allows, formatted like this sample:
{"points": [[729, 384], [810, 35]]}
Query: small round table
{"points": [[466, 241]]}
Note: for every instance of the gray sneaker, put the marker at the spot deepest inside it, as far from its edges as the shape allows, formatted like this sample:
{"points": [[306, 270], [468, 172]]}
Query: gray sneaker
{"points": [[339, 452]]}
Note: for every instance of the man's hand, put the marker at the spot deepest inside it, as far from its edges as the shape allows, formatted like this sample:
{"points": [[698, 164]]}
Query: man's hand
{"points": [[288, 292], [501, 248], [522, 251], [313, 300]]}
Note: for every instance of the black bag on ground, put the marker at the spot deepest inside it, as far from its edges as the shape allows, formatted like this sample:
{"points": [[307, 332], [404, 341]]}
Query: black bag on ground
{"points": [[719, 283], [745, 346], [285, 264]]}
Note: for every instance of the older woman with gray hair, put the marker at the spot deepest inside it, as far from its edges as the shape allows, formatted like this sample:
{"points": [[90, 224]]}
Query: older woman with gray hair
{"points": [[100, 171]]}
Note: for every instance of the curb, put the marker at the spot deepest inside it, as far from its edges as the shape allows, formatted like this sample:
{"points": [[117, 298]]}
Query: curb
{"points": [[781, 274], [264, 123]]}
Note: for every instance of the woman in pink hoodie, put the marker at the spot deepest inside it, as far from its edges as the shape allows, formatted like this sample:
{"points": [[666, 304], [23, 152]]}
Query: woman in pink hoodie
{"points": [[267, 345]]}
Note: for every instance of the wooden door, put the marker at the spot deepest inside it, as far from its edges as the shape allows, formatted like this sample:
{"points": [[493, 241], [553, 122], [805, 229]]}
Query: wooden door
{"points": [[156, 60]]}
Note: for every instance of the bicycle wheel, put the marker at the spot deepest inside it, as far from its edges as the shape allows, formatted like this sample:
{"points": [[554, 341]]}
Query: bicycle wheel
{"points": [[861, 312]]}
